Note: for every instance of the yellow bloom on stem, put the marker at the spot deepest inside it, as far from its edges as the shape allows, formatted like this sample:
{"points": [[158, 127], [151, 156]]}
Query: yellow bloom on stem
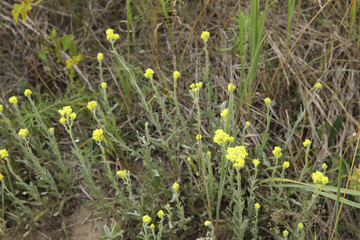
{"points": [[100, 57], [122, 173], [98, 134], [285, 233], [103, 85], [300, 225], [72, 116], [257, 205], [248, 124], [198, 137], [4, 153], [205, 35], [192, 86], [161, 214], [146, 219], [324, 166], [231, 87], [152, 226], [62, 120], [199, 84], [236, 155], [207, 223], [188, 159], [221, 137], [23, 132], [176, 74], [149, 73], [51, 130], [286, 164], [176, 187], [277, 152], [306, 143], [27, 92], [319, 179], [224, 113], [256, 162], [267, 101], [91, 105], [1, 108], [318, 85], [13, 100], [1, 176]]}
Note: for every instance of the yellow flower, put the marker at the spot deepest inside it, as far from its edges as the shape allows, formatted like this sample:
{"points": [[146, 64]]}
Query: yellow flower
{"points": [[236, 155], [256, 162], [98, 134], [161, 214], [4, 153], [116, 36], [13, 100], [318, 85], [324, 166], [267, 101], [111, 36], [285, 233], [248, 124], [27, 92], [72, 116], [319, 179], [23, 132], [188, 159], [149, 73], [224, 113], [1, 176], [198, 137], [231, 87], [196, 89], [221, 137], [300, 225], [257, 205], [192, 86], [62, 120], [70, 63], [176, 187], [1, 108], [51, 130], [152, 226], [122, 173], [277, 152], [231, 139], [91, 105], [205, 35], [103, 85], [199, 84], [146, 219], [207, 223], [100, 57], [176, 74], [286, 164], [77, 59], [306, 143]]}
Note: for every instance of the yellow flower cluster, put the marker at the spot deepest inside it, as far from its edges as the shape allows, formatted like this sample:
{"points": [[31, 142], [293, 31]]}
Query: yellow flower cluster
{"points": [[146, 219], [92, 105], [161, 214], [257, 205], [27, 92], [111, 36], [207, 223], [248, 124], [224, 113], [74, 60], [188, 159], [4, 153], [231, 87], [237, 155], [267, 101], [222, 137], [196, 87], [306, 143], [1, 176], [13, 100], [1, 108], [98, 134], [152, 226], [23, 132], [66, 113], [198, 137], [318, 85], [300, 225], [122, 173], [324, 166], [149, 73], [205, 35], [100, 57], [176, 187], [319, 179], [103, 85], [51, 130], [286, 164], [256, 162], [277, 152], [176, 74], [285, 233]]}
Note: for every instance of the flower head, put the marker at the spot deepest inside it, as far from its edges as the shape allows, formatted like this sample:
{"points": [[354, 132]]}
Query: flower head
{"points": [[221, 137], [66, 113], [161, 214], [257, 205], [176, 187], [3, 153], [300, 226], [285, 233], [27, 92], [199, 84], [224, 113], [176, 74], [207, 223], [277, 152], [146, 219], [306, 143], [1, 108], [286, 164], [205, 35], [72, 116], [91, 105], [248, 124], [122, 173], [231, 87], [319, 179], [13, 100], [100, 57], [62, 120], [152, 226], [198, 137], [318, 85], [1, 176], [236, 155], [111, 36], [103, 85], [23, 132], [324, 166], [51, 130], [192, 85], [267, 101], [188, 159], [256, 162], [98, 134], [149, 73]]}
